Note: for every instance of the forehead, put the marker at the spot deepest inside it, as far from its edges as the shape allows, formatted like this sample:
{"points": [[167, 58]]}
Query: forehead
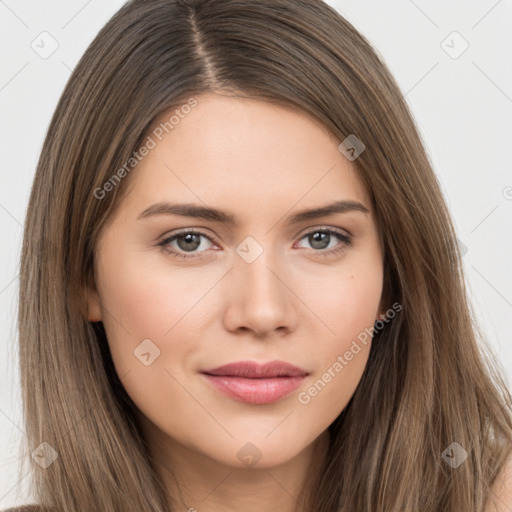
{"points": [[253, 155]]}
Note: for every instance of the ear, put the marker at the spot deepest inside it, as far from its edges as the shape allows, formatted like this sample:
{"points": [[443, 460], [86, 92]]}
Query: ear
{"points": [[94, 310]]}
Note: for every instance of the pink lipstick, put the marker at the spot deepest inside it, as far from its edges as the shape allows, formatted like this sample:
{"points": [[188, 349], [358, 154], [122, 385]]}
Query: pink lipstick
{"points": [[250, 382]]}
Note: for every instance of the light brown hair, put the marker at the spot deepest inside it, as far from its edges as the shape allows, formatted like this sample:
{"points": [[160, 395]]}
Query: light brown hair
{"points": [[430, 379]]}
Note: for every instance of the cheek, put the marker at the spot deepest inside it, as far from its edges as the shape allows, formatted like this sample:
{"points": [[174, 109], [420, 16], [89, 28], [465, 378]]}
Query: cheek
{"points": [[143, 301], [346, 305], [345, 301], [143, 297]]}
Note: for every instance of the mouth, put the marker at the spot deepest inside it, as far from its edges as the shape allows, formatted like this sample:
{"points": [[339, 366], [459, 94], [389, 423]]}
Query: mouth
{"points": [[253, 383]]}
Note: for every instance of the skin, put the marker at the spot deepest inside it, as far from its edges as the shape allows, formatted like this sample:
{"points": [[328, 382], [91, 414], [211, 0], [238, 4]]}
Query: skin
{"points": [[261, 163]]}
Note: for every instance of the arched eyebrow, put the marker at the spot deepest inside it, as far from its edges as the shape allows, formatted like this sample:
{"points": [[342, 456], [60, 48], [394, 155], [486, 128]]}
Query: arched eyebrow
{"points": [[217, 215]]}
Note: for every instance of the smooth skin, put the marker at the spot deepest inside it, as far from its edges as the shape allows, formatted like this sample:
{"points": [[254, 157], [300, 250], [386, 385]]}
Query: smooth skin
{"points": [[298, 301]]}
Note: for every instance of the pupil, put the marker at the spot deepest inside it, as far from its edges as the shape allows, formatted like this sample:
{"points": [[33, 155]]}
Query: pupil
{"points": [[320, 237], [318, 240], [189, 240]]}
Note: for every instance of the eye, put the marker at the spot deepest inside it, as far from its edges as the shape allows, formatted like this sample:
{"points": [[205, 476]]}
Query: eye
{"points": [[321, 238], [184, 244], [187, 241]]}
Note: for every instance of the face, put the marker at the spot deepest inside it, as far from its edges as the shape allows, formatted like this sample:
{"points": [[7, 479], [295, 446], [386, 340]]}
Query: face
{"points": [[181, 293]]}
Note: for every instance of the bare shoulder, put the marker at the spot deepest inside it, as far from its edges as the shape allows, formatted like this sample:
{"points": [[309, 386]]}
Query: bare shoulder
{"points": [[501, 492]]}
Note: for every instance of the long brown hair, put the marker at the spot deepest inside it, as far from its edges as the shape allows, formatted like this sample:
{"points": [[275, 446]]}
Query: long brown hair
{"points": [[430, 380]]}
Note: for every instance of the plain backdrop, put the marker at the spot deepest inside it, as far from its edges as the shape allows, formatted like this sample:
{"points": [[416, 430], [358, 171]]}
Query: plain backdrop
{"points": [[461, 99]]}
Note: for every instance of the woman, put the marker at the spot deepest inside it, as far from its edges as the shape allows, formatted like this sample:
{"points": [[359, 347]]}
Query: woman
{"points": [[240, 284]]}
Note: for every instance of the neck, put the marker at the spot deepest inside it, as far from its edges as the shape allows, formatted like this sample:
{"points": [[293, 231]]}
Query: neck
{"points": [[196, 482]]}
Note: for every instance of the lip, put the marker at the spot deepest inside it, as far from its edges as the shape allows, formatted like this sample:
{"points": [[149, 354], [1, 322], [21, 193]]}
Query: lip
{"points": [[254, 383]]}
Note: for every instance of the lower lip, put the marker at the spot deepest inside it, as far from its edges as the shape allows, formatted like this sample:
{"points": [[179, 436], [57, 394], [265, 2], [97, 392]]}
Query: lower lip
{"points": [[255, 391]]}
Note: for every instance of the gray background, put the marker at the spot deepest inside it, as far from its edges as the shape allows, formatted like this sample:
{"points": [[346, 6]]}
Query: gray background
{"points": [[462, 105]]}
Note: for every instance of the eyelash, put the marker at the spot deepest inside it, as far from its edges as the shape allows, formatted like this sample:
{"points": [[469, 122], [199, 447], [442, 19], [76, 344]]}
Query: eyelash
{"points": [[345, 242]]}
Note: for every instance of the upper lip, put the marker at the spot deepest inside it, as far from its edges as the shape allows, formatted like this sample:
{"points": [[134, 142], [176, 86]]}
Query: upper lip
{"points": [[250, 369]]}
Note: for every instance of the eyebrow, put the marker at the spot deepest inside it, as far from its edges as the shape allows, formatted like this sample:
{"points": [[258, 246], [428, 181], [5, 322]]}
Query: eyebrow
{"points": [[216, 215]]}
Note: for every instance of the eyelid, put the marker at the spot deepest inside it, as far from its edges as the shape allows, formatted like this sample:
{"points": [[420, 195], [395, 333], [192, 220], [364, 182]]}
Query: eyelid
{"points": [[320, 227], [345, 240], [182, 231]]}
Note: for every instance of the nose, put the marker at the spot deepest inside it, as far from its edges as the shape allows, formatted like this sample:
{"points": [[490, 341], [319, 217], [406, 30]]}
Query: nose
{"points": [[260, 300]]}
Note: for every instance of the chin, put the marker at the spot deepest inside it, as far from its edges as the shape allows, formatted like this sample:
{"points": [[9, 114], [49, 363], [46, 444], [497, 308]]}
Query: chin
{"points": [[258, 453]]}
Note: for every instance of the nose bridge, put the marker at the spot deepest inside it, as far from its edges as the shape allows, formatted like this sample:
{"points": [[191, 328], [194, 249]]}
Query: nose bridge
{"points": [[260, 278], [257, 271], [262, 298]]}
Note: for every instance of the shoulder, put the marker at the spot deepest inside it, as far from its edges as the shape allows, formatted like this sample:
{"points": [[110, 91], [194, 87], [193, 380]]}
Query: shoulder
{"points": [[500, 499]]}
